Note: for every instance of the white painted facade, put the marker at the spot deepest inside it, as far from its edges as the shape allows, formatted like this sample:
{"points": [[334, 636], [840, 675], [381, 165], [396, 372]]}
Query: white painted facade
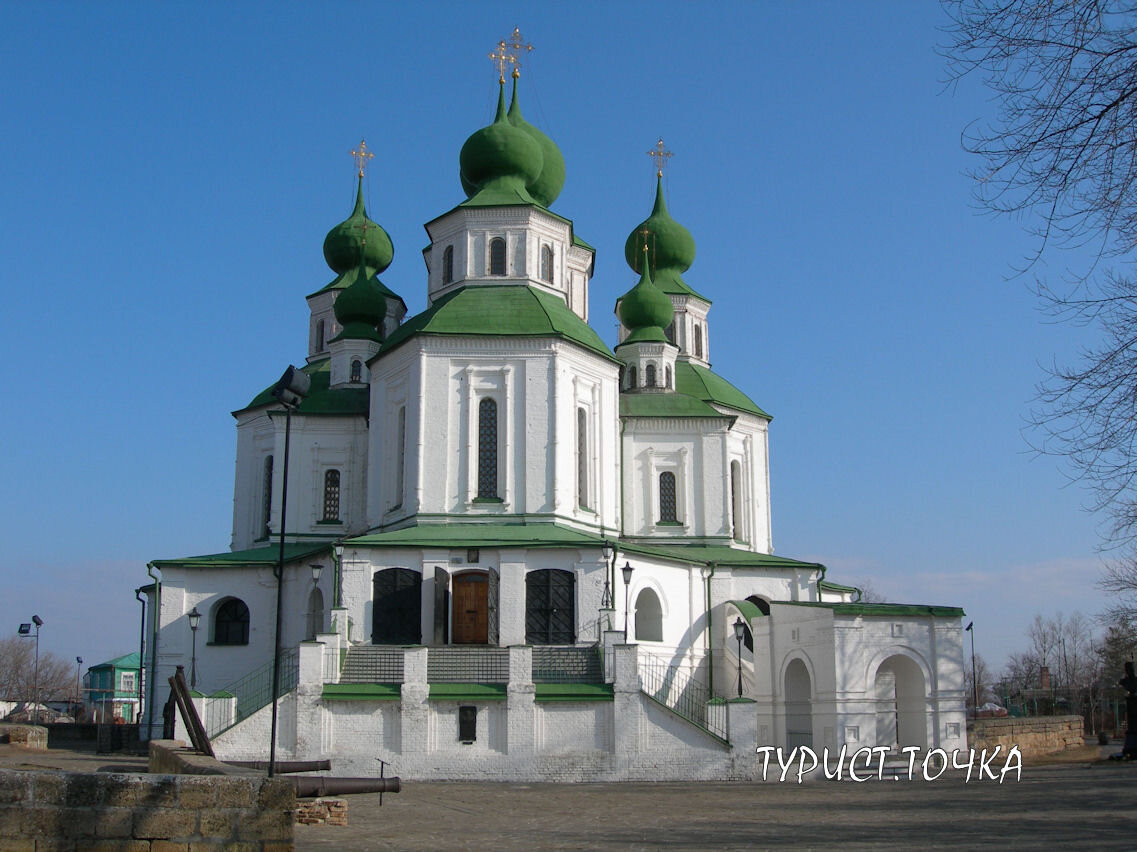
{"points": [[471, 495]]}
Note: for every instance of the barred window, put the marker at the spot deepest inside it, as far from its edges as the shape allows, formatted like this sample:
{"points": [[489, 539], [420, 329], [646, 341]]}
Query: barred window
{"points": [[356, 371], [668, 385], [266, 496], [320, 336], [401, 462], [581, 458], [736, 499], [231, 623], [670, 332], [649, 376], [632, 378], [547, 264], [487, 448], [698, 341], [332, 495], [448, 265], [667, 498], [497, 256]]}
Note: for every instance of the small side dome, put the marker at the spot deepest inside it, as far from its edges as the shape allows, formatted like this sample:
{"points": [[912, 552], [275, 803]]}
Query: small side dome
{"points": [[551, 181], [361, 307], [645, 310], [672, 246], [500, 152], [344, 242]]}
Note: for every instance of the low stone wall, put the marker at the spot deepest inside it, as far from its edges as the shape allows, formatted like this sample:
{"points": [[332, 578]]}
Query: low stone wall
{"points": [[31, 737], [1034, 735], [322, 812], [74, 811]]}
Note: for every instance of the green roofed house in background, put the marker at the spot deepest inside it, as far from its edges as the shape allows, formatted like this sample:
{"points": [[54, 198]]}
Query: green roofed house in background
{"points": [[110, 690], [513, 551]]}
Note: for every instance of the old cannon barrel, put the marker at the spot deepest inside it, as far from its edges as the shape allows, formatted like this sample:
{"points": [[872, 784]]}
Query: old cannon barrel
{"points": [[308, 786], [283, 766]]}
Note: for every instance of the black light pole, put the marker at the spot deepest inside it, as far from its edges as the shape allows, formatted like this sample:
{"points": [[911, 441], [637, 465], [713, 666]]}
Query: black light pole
{"points": [[289, 392], [78, 691], [194, 617], [739, 633], [627, 572], [38, 622], [974, 682]]}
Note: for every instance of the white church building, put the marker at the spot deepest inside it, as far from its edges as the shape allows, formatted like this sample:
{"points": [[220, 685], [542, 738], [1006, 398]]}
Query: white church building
{"points": [[512, 552]]}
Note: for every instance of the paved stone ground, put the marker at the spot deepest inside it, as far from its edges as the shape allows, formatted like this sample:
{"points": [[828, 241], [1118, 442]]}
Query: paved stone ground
{"points": [[1070, 807]]}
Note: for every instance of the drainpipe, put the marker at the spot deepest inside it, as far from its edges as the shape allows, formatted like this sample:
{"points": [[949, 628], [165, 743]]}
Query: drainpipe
{"points": [[622, 531], [157, 616], [710, 638], [141, 654]]}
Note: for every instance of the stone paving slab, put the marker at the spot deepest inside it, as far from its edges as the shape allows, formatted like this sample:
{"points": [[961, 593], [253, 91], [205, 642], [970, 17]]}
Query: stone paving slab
{"points": [[1069, 807]]}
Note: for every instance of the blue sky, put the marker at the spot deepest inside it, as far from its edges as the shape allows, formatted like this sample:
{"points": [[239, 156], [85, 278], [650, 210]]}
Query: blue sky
{"points": [[169, 172]]}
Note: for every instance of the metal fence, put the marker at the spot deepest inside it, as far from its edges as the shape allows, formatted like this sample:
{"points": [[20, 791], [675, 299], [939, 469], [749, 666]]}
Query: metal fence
{"points": [[552, 664], [241, 699], [372, 664], [677, 689], [467, 665]]}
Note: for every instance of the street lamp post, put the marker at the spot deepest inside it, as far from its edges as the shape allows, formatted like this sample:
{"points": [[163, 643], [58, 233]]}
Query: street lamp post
{"points": [[78, 691], [194, 617], [289, 392], [974, 682], [38, 622], [627, 572], [739, 633]]}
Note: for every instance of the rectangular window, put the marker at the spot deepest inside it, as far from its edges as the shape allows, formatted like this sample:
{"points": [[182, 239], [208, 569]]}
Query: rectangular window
{"points": [[127, 682], [667, 509], [401, 459], [266, 496], [332, 495], [487, 449], [582, 458]]}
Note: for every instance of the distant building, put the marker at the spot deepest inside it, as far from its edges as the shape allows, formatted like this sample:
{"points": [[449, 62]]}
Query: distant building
{"points": [[110, 689]]}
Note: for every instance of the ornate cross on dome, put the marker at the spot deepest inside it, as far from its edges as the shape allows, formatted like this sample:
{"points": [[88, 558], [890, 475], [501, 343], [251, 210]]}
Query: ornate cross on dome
{"points": [[361, 155], [501, 58], [659, 156], [362, 227], [517, 47]]}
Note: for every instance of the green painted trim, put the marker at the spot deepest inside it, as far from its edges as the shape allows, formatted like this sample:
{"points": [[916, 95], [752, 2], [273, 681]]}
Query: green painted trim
{"points": [[362, 691], [223, 694], [879, 608], [830, 586], [551, 692], [467, 692], [717, 701], [742, 700], [330, 523], [269, 555], [748, 609], [488, 500], [669, 523]]}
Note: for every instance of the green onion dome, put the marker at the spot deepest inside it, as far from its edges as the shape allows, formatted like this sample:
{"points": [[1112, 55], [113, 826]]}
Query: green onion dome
{"points": [[551, 180], [645, 310], [361, 306], [672, 246], [344, 242], [500, 155]]}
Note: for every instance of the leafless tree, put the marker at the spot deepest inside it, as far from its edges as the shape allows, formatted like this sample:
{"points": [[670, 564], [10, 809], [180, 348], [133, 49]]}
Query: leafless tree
{"points": [[983, 677], [18, 672], [869, 592], [1061, 153]]}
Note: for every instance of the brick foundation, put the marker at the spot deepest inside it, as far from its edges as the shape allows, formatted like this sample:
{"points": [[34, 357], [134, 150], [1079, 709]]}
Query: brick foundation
{"points": [[1034, 735]]}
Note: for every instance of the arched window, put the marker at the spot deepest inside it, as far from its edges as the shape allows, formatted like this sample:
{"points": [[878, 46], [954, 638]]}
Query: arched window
{"points": [[266, 496], [547, 264], [320, 336], [357, 371], [668, 368], [670, 332], [401, 461], [331, 495], [497, 256], [698, 341], [667, 513], [448, 265], [633, 379], [736, 500], [315, 621], [487, 449], [649, 376], [649, 617], [231, 623], [581, 458]]}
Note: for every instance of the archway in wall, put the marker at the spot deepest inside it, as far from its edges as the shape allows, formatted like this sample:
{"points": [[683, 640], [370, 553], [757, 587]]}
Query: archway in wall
{"points": [[397, 614], [315, 621], [649, 617], [799, 715], [901, 705]]}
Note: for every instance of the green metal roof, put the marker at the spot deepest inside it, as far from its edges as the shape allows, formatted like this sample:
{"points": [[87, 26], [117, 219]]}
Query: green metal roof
{"points": [[480, 535], [267, 555], [342, 282], [322, 400], [698, 381], [717, 554], [829, 586], [878, 608], [500, 310], [748, 609], [126, 661], [666, 405]]}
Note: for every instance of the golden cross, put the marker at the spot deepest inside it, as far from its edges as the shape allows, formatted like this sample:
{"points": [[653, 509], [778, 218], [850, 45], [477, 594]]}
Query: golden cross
{"points": [[500, 57], [516, 47], [645, 233], [361, 155], [659, 156], [363, 226]]}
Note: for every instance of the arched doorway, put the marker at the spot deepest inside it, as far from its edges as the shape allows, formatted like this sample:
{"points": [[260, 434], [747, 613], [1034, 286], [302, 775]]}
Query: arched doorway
{"points": [[901, 714], [799, 715], [315, 621]]}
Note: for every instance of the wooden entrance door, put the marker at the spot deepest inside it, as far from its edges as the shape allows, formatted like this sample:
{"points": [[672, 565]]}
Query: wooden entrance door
{"points": [[471, 609]]}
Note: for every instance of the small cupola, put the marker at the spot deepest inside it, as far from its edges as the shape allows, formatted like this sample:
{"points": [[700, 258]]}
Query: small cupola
{"points": [[648, 356]]}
